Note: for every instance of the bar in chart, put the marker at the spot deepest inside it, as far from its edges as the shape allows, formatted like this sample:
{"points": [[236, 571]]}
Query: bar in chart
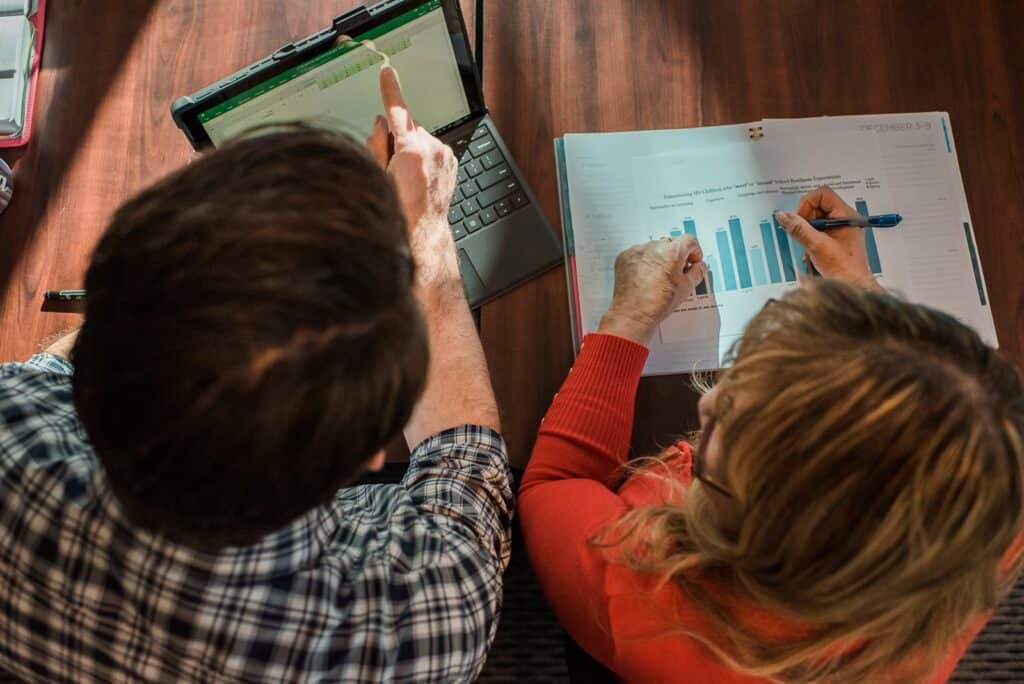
{"points": [[798, 257], [691, 229], [775, 261], [784, 252], [768, 238], [740, 250], [728, 274], [869, 240], [757, 264], [712, 270]]}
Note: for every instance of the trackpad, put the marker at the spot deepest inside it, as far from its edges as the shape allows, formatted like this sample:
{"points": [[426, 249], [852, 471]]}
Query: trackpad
{"points": [[470, 278]]}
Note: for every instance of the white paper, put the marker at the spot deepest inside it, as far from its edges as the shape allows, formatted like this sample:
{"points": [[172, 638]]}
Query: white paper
{"points": [[919, 159], [627, 188]]}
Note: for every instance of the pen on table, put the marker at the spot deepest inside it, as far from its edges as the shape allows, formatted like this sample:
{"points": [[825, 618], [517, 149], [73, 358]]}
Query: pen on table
{"points": [[877, 221], [63, 295]]}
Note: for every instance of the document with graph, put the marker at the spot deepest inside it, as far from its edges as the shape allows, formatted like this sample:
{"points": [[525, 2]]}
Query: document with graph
{"points": [[723, 184]]}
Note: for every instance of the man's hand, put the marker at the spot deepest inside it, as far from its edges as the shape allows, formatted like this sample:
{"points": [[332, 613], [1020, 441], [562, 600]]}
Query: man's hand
{"points": [[838, 253], [458, 390], [424, 170], [650, 282]]}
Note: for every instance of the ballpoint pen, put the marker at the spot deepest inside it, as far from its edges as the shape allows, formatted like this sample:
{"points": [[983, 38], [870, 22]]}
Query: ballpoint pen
{"points": [[878, 221], [63, 295]]}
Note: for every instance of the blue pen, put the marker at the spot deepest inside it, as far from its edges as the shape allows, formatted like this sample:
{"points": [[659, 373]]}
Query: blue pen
{"points": [[878, 221]]}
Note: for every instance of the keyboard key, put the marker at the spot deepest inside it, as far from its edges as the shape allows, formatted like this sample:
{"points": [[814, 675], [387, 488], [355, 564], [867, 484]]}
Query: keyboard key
{"points": [[491, 159], [454, 215], [480, 132], [499, 191], [462, 176], [488, 216], [469, 207], [469, 189], [486, 180], [519, 200], [481, 146], [458, 231], [503, 208], [472, 224], [457, 197], [473, 168]]}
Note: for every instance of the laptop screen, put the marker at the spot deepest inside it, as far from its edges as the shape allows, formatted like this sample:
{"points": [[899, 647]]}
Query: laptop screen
{"points": [[339, 88]]}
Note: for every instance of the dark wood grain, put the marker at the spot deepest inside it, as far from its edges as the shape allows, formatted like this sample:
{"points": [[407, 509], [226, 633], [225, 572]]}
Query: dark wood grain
{"points": [[111, 69]]}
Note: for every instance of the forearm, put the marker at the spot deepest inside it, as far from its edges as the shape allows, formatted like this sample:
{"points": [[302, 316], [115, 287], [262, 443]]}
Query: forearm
{"points": [[63, 345], [586, 431], [458, 389]]}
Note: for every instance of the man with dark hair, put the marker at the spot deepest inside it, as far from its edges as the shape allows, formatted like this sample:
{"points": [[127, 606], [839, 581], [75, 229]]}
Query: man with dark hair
{"points": [[259, 326]]}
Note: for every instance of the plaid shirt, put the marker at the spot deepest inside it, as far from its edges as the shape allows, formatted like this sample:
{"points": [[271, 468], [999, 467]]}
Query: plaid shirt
{"points": [[387, 583]]}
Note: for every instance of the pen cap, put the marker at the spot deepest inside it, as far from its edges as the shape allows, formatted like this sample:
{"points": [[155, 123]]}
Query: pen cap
{"points": [[886, 220]]}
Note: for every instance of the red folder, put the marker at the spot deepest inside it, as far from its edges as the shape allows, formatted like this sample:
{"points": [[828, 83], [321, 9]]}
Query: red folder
{"points": [[38, 20]]}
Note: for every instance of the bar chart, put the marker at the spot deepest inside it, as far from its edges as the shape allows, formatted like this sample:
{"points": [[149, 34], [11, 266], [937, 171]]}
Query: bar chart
{"points": [[778, 259], [736, 266]]}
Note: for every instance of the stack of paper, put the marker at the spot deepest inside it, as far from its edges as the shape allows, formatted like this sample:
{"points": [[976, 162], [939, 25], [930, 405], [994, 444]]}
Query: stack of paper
{"points": [[17, 39]]}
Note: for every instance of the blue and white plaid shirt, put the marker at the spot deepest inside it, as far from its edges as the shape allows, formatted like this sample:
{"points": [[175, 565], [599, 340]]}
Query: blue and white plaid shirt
{"points": [[387, 583]]}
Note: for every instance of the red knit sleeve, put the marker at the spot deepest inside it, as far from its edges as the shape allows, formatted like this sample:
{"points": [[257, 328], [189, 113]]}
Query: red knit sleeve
{"points": [[565, 499]]}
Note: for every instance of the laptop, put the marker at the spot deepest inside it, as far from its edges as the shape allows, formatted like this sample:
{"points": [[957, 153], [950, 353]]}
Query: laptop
{"points": [[501, 235]]}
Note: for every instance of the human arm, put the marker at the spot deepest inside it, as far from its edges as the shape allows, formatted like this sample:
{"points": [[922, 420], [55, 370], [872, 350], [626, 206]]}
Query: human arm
{"points": [[458, 388], [837, 253], [566, 497], [55, 356], [63, 345]]}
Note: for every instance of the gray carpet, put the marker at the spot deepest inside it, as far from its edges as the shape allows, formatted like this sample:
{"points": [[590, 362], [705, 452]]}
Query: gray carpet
{"points": [[530, 645], [997, 655]]}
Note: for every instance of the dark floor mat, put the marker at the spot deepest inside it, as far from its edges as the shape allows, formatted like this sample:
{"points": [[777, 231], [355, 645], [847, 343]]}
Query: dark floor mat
{"points": [[530, 644]]}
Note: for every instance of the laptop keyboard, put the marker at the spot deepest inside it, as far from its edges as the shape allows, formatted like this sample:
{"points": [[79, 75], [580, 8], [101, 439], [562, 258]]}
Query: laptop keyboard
{"points": [[487, 189]]}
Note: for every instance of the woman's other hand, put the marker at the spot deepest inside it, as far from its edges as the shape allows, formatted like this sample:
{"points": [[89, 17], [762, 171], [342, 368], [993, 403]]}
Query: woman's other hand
{"points": [[650, 281]]}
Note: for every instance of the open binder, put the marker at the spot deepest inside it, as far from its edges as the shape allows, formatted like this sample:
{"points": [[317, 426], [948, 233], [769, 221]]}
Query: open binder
{"points": [[722, 184]]}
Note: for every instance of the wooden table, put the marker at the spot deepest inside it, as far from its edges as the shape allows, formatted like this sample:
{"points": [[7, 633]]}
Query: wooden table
{"points": [[111, 69]]}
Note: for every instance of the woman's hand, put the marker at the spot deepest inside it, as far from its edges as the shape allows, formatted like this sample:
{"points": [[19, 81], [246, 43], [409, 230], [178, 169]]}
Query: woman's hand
{"points": [[838, 253], [650, 282]]}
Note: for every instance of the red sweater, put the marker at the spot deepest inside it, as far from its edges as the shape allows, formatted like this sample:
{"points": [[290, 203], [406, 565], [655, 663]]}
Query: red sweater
{"points": [[616, 615]]}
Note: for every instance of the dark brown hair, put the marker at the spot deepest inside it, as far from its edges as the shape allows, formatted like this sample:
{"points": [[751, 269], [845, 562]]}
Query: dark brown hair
{"points": [[251, 336]]}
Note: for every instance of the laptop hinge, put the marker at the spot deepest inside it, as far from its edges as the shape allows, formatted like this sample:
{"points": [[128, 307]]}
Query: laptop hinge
{"points": [[354, 17], [478, 20]]}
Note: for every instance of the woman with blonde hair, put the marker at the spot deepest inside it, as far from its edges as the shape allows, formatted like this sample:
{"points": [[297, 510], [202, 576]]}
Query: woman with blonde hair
{"points": [[852, 512]]}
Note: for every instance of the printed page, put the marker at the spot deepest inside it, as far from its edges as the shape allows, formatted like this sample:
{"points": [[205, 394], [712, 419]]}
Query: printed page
{"points": [[726, 197], [599, 191], [919, 159], [725, 194]]}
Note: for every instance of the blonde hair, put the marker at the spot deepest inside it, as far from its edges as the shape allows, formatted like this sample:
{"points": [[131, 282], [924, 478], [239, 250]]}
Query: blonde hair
{"points": [[874, 452]]}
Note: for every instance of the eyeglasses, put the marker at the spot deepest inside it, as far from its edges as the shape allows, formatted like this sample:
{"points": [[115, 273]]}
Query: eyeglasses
{"points": [[698, 467]]}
